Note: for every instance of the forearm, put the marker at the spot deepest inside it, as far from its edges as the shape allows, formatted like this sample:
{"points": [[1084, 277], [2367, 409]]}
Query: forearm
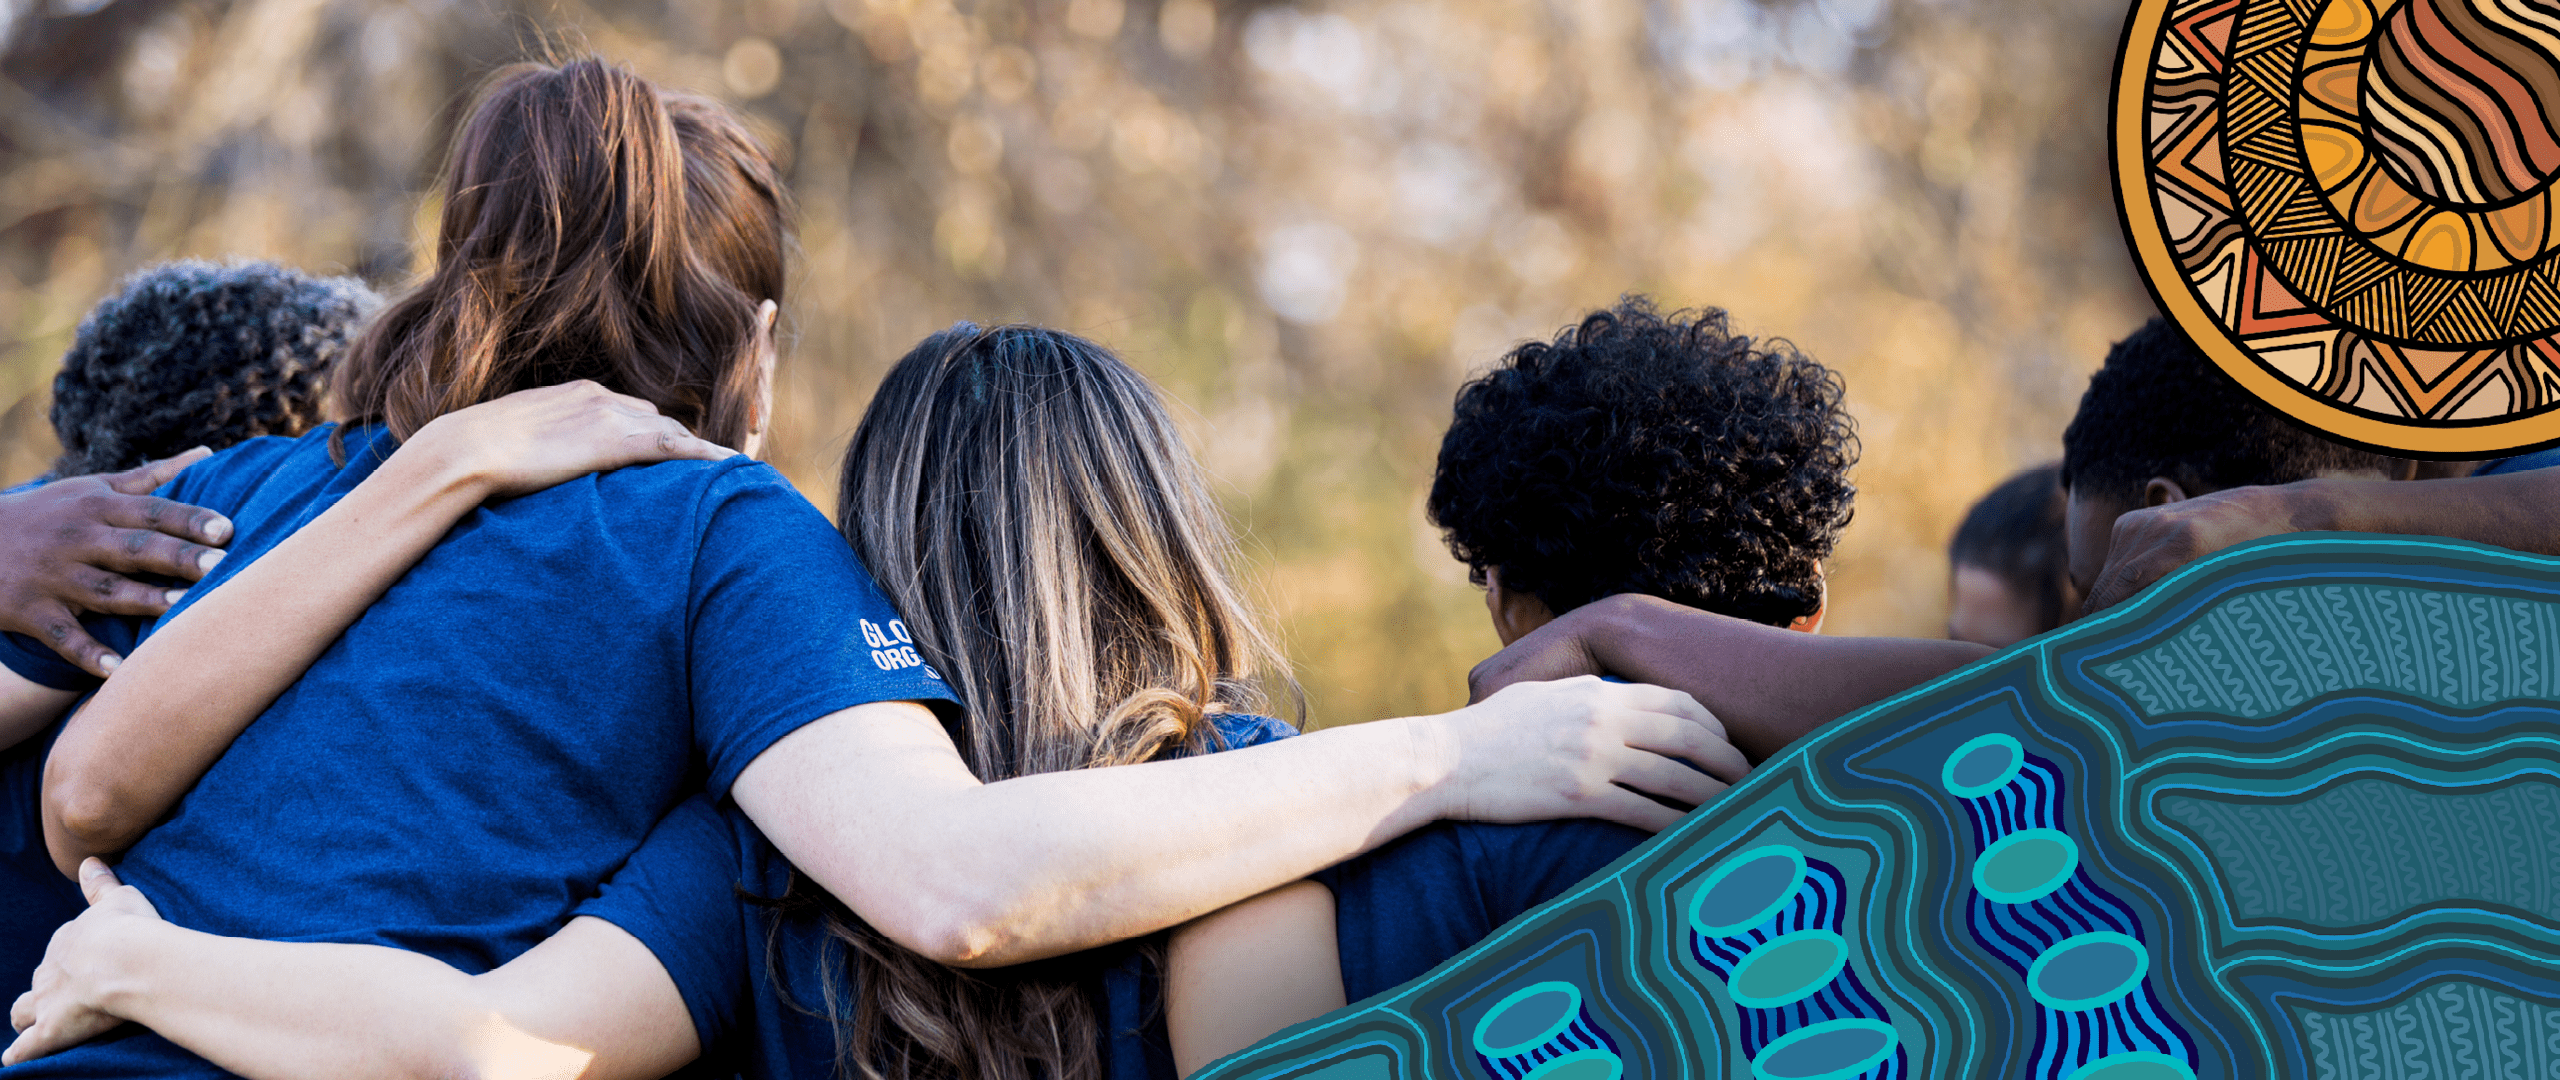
{"points": [[986, 875], [1769, 686], [178, 702], [2520, 511], [287, 1011]]}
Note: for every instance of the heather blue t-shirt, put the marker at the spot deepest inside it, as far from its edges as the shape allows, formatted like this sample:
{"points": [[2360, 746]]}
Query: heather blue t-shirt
{"points": [[496, 735], [759, 980]]}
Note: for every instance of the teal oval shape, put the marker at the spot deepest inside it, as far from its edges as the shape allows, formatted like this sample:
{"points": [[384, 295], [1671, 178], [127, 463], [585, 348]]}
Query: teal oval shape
{"points": [[1528, 1018], [2087, 971], [2134, 1065], [1787, 969], [1580, 1065], [1831, 1050], [2025, 865], [1746, 890], [1982, 766]]}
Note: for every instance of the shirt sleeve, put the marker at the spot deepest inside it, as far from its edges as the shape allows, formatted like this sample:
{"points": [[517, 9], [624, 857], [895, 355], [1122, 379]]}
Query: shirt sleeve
{"points": [[786, 626], [678, 895]]}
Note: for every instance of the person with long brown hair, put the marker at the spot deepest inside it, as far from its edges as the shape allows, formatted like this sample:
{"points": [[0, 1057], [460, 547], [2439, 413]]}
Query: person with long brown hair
{"points": [[949, 846]]}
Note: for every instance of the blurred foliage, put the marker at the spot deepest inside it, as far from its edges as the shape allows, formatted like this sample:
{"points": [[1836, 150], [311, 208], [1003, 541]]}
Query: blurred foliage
{"points": [[1309, 222]]}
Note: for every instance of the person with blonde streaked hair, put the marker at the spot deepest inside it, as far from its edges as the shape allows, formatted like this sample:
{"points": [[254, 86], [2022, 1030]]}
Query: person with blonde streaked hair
{"points": [[1084, 611]]}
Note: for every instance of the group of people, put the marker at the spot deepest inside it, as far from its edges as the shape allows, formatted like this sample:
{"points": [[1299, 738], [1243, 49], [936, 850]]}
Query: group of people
{"points": [[517, 722]]}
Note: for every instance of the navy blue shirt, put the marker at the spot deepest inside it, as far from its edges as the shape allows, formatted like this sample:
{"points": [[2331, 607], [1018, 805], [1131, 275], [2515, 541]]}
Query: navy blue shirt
{"points": [[35, 899], [760, 982], [496, 735]]}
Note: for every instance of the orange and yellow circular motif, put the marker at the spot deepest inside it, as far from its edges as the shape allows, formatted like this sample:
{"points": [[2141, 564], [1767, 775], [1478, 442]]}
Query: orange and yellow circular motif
{"points": [[2350, 205]]}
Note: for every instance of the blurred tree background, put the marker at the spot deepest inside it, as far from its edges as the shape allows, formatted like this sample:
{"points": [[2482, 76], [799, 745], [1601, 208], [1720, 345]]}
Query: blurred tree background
{"points": [[1310, 222]]}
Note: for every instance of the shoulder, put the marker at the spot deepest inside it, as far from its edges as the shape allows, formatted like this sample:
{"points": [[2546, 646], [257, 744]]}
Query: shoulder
{"points": [[224, 481]]}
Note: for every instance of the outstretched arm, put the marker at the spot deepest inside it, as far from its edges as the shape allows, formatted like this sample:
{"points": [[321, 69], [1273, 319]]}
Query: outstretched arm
{"points": [[591, 1002], [2520, 511], [1769, 686], [174, 706], [875, 804]]}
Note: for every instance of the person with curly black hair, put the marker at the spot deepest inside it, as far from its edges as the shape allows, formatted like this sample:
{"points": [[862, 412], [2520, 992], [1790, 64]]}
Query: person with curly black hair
{"points": [[2008, 573], [1638, 452], [1648, 496], [184, 358], [193, 353], [2168, 459]]}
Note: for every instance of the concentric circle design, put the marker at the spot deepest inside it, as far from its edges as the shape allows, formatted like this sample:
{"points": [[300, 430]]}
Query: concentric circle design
{"points": [[1746, 891], [1982, 766], [2025, 866], [1528, 1019], [2088, 971], [1788, 970], [1826, 1051], [2350, 205]]}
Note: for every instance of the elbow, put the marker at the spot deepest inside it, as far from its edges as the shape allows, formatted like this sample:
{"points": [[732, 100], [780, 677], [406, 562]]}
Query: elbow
{"points": [[962, 928], [962, 941], [82, 820]]}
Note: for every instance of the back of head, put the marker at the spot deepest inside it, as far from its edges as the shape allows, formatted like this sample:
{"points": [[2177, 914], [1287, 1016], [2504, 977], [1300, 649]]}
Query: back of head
{"points": [[1029, 507], [2016, 532], [592, 228], [1660, 455], [2160, 408], [190, 354]]}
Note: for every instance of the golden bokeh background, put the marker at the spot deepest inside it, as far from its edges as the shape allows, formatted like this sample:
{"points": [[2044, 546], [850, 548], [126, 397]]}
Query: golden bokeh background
{"points": [[1310, 222]]}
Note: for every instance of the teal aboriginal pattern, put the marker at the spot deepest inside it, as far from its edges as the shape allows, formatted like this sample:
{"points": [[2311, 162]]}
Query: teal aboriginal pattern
{"points": [[2295, 813]]}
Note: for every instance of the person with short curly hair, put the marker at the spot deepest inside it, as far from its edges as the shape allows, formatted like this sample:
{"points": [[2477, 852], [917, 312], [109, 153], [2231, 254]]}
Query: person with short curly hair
{"points": [[193, 353], [1644, 453], [2168, 459]]}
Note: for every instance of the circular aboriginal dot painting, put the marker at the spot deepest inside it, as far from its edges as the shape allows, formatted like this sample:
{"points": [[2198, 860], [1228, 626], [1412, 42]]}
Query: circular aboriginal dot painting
{"points": [[2349, 205]]}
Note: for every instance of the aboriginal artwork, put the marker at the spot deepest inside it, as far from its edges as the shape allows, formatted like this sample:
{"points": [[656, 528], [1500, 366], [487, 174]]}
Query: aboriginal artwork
{"points": [[2293, 813], [2349, 204]]}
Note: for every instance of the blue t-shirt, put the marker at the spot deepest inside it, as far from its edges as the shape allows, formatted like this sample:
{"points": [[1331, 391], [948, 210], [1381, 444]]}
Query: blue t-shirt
{"points": [[35, 899], [496, 735], [760, 982], [2539, 459]]}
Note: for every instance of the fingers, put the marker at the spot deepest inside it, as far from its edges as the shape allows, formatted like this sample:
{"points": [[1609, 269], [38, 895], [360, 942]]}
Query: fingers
{"points": [[61, 630], [145, 479], [1645, 697], [116, 594], [22, 1015], [1631, 810], [1658, 775], [152, 514], [96, 879]]}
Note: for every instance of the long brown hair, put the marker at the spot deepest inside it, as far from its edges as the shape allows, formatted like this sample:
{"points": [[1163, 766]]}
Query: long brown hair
{"points": [[593, 228], [1028, 505]]}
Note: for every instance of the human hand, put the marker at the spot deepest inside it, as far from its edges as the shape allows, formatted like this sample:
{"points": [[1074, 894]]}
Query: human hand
{"points": [[1583, 747], [533, 439], [66, 1006], [2153, 542], [66, 548], [1557, 650]]}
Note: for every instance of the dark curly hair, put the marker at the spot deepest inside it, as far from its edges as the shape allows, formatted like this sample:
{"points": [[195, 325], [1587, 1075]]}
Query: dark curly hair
{"points": [[1643, 453], [2160, 407], [192, 353]]}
